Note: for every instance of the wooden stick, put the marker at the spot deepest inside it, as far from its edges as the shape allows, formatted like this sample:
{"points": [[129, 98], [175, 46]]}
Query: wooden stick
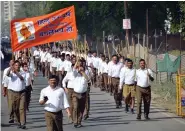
{"points": [[108, 51]]}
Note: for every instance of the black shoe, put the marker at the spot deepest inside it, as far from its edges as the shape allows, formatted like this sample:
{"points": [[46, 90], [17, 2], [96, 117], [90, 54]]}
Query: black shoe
{"points": [[19, 126], [126, 108], [138, 117], [132, 111], [79, 126], [117, 106], [146, 117], [75, 125], [11, 121], [23, 127], [86, 117], [120, 105]]}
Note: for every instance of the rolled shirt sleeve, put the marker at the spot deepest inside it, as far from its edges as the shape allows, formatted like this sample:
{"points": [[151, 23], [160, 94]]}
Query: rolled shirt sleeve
{"points": [[65, 101], [41, 96], [122, 78]]}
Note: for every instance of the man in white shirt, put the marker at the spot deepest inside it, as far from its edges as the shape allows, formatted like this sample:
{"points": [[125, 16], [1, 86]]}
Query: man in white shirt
{"points": [[5, 85], [43, 61], [55, 100], [17, 94], [36, 56], [60, 69], [143, 89], [67, 84], [109, 78], [127, 77], [67, 64], [115, 69], [28, 84], [53, 63], [104, 71], [79, 95], [95, 65], [89, 73]]}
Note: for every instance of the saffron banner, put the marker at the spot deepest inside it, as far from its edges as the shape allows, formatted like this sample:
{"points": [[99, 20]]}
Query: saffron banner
{"points": [[56, 26]]}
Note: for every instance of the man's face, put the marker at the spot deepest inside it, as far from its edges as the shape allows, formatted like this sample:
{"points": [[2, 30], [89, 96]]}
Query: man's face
{"points": [[62, 58], [11, 63], [73, 60], [114, 59], [16, 66], [53, 82], [129, 65], [94, 54], [47, 49], [142, 64], [106, 60], [103, 58], [67, 57], [25, 68], [20, 60]]}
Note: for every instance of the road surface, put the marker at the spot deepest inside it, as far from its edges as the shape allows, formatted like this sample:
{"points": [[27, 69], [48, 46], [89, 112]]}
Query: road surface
{"points": [[103, 115]]}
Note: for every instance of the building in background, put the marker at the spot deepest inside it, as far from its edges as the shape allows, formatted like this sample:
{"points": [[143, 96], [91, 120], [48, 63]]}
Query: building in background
{"points": [[8, 10]]}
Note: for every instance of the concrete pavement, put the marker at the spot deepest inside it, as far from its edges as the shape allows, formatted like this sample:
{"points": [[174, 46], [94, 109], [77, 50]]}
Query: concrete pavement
{"points": [[103, 115]]}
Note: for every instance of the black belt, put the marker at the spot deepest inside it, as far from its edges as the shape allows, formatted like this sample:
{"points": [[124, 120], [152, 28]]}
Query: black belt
{"points": [[115, 77], [130, 84], [18, 91], [54, 112]]}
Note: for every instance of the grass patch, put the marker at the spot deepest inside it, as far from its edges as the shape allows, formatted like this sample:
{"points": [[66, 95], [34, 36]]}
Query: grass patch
{"points": [[165, 95]]}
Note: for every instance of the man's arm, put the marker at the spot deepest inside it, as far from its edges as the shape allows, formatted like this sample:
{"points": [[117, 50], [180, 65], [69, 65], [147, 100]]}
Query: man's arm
{"points": [[43, 99], [19, 75]]}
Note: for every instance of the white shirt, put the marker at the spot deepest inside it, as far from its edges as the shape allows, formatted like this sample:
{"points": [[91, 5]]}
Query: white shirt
{"points": [[60, 65], [15, 83], [43, 56], [95, 61], [49, 57], [5, 77], [69, 78], [142, 77], [89, 73], [89, 60], [104, 67], [36, 53], [109, 66], [80, 84], [53, 62], [57, 99], [67, 65], [28, 78], [115, 70], [127, 76]]}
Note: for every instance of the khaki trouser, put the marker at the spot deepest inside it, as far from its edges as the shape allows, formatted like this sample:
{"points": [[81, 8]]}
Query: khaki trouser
{"points": [[70, 98], [17, 103], [44, 68], [105, 81], [54, 121], [115, 86], [94, 77], [36, 62], [145, 94], [87, 103], [79, 101]]}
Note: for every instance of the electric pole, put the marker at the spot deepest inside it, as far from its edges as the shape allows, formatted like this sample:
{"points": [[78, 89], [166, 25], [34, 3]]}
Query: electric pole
{"points": [[125, 11]]}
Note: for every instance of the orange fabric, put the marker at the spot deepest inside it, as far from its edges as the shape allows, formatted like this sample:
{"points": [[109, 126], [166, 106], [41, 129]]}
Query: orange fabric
{"points": [[29, 32]]}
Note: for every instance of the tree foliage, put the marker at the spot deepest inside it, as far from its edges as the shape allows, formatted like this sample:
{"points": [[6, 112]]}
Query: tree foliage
{"points": [[93, 17]]}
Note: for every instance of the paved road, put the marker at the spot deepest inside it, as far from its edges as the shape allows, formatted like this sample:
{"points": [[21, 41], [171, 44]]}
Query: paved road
{"points": [[104, 116]]}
